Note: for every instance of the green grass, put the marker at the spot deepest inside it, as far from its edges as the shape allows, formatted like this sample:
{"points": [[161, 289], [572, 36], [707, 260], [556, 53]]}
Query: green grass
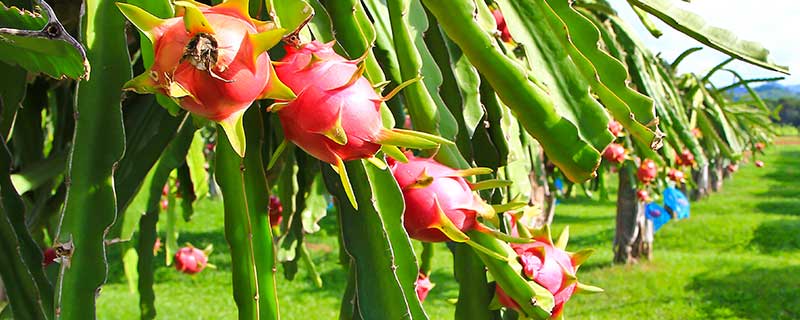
{"points": [[738, 256]]}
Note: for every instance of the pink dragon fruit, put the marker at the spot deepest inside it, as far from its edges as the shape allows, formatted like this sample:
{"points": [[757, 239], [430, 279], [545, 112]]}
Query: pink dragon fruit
{"points": [[336, 116], [676, 175], [275, 211], [732, 167], [49, 257], [614, 153], [212, 61], [615, 128], [759, 146], [643, 195], [190, 260], [647, 171], [440, 203], [550, 266], [505, 35], [759, 163], [423, 285], [685, 158]]}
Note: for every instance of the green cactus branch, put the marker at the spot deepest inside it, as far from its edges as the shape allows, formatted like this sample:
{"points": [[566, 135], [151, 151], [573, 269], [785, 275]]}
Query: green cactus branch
{"points": [[98, 144]]}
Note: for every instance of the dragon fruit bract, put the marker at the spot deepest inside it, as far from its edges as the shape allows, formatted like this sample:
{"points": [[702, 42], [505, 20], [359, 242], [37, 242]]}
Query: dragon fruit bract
{"points": [[439, 201], [550, 266], [190, 260], [211, 60]]}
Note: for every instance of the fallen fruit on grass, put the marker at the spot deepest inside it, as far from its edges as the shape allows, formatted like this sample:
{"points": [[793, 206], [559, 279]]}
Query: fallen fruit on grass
{"points": [[190, 260]]}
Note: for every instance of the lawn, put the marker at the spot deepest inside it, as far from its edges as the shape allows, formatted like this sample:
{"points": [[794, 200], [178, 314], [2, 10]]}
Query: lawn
{"points": [[737, 257]]}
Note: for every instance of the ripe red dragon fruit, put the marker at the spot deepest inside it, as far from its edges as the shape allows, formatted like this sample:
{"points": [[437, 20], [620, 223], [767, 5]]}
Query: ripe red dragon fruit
{"points": [[759, 163], [423, 285], [614, 153], [643, 195], [190, 260], [676, 175], [505, 35], [759, 146], [212, 61], [615, 127], [550, 266], [275, 211], [440, 203], [732, 167], [49, 257], [685, 158], [647, 171], [336, 116]]}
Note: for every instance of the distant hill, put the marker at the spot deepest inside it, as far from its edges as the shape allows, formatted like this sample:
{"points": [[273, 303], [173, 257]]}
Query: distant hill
{"points": [[769, 91]]}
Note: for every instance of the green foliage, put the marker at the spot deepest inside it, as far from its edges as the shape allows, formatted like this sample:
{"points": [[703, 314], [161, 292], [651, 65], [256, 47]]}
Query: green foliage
{"points": [[98, 144], [90, 167], [38, 42]]}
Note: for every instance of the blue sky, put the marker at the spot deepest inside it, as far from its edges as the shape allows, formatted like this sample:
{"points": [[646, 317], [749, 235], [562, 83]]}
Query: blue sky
{"points": [[773, 23]]}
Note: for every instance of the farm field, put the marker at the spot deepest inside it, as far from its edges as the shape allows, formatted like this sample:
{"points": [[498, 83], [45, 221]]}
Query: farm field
{"points": [[737, 257]]}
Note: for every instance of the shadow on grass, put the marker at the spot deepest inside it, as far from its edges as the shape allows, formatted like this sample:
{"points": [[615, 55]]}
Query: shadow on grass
{"points": [[751, 294], [775, 236]]}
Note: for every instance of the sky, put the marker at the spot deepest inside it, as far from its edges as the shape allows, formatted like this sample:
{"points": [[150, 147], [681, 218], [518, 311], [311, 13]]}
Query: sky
{"points": [[775, 24]]}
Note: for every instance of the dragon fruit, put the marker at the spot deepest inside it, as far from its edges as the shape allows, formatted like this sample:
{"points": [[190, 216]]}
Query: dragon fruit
{"points": [[676, 175], [440, 203], [49, 256], [614, 153], [615, 128], [685, 158], [759, 146], [550, 266], [505, 35], [759, 163], [336, 115], [643, 195], [275, 211], [422, 286], [212, 61], [647, 171], [190, 260], [732, 167]]}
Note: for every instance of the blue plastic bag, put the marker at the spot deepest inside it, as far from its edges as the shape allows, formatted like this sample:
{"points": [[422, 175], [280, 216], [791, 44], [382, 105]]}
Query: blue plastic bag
{"points": [[677, 202], [657, 214]]}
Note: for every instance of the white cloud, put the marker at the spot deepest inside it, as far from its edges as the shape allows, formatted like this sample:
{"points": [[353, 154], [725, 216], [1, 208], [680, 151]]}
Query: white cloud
{"points": [[773, 24]]}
